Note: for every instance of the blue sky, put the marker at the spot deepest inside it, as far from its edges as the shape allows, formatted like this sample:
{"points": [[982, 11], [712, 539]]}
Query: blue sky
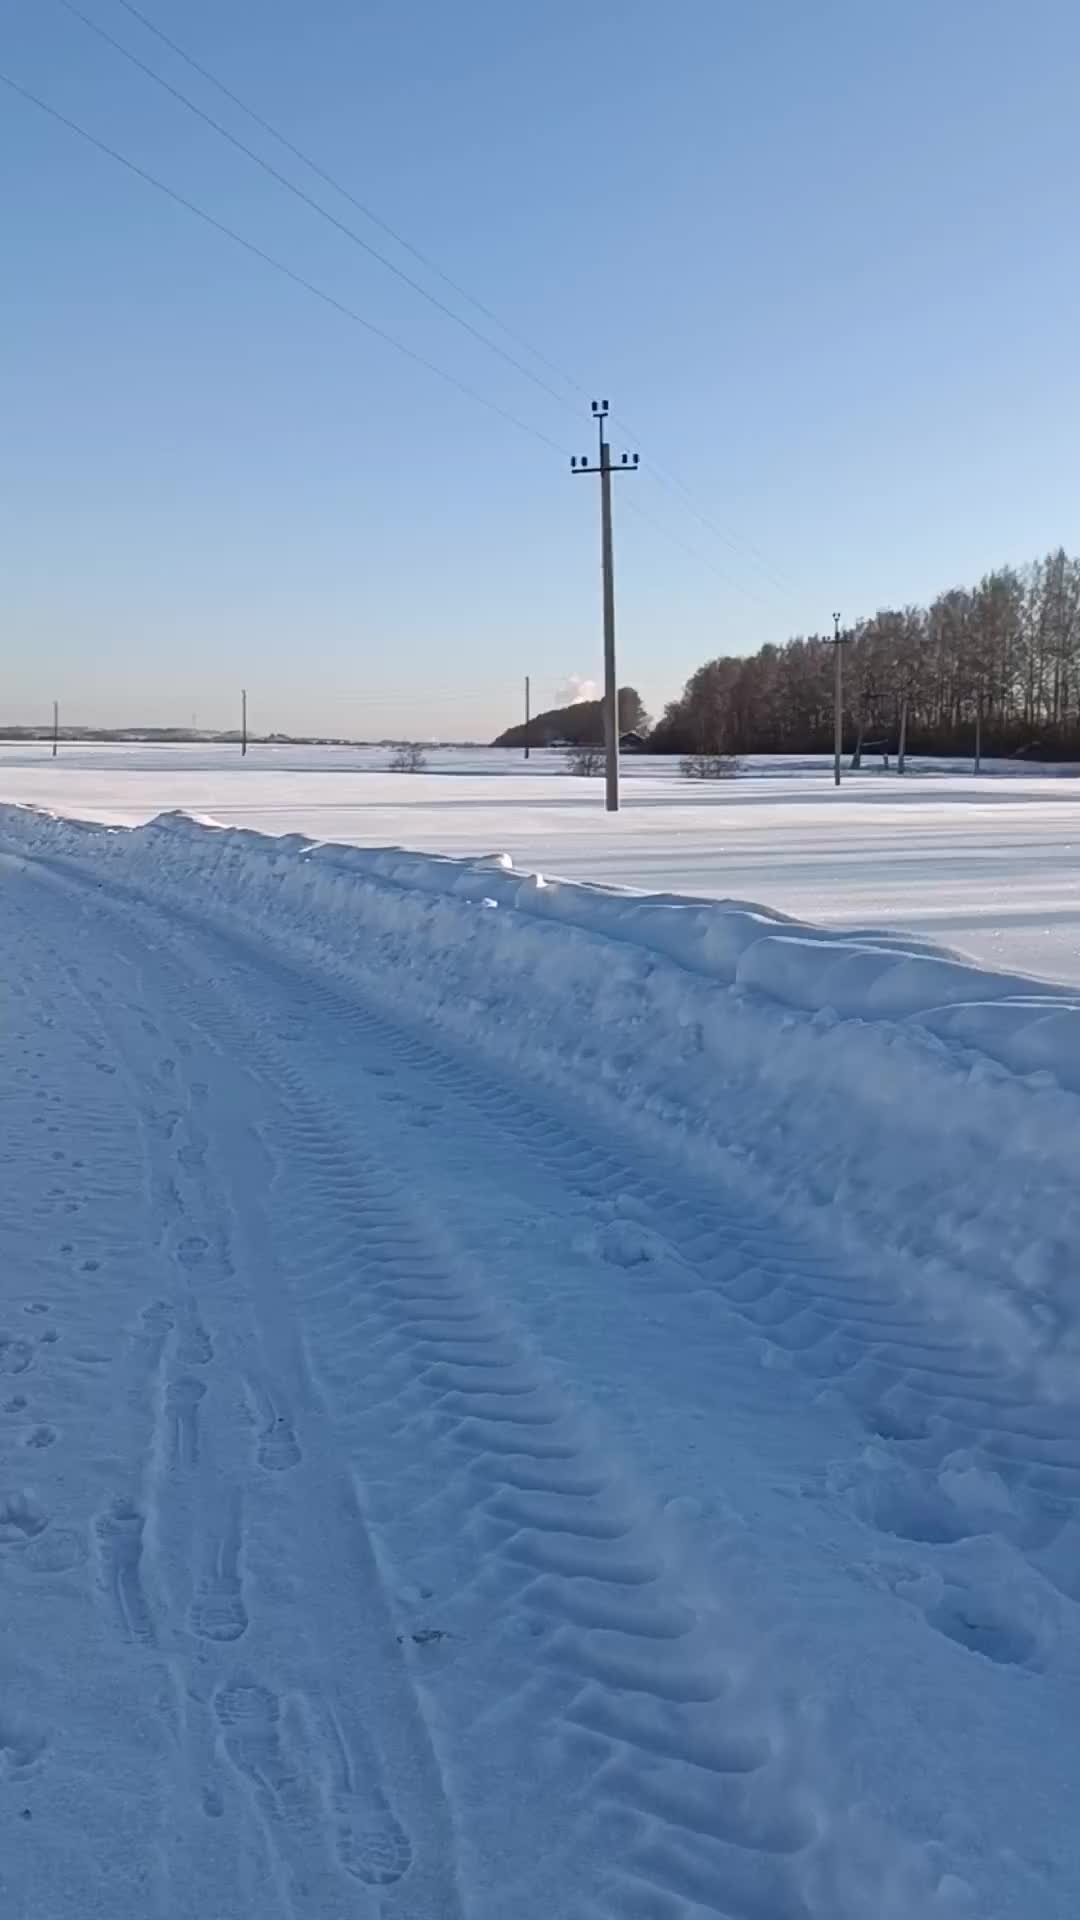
{"points": [[820, 255]]}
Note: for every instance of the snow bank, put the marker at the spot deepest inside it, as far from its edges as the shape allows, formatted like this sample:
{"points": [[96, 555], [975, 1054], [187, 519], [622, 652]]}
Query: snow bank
{"points": [[921, 1111], [861, 976]]}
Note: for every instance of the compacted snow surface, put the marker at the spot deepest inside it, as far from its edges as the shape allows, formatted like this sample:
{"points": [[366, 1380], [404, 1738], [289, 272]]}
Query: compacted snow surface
{"points": [[522, 1399]]}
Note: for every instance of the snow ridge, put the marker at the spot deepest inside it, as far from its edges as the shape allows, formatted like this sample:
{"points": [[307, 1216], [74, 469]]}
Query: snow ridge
{"points": [[879, 1084]]}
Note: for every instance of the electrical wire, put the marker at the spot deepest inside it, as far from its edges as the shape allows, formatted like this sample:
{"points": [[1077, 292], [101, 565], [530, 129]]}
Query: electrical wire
{"points": [[666, 478], [369, 213], [742, 549], [308, 200], [339, 306], [728, 579], [279, 266]]}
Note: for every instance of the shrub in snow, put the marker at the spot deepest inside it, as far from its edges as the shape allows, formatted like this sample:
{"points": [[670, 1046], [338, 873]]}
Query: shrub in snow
{"points": [[408, 758], [710, 766], [584, 759]]}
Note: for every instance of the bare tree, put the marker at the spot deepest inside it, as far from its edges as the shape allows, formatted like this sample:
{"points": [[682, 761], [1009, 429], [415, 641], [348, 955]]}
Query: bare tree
{"points": [[409, 757], [710, 766], [584, 759], [1004, 655]]}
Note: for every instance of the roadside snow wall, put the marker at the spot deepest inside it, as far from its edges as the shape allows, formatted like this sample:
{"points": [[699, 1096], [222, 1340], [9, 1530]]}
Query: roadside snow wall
{"points": [[921, 1113]]}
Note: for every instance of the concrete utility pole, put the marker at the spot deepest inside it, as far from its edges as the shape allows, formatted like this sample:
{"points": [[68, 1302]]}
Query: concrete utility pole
{"points": [[243, 723], [55, 728], [611, 689], [838, 698], [526, 716]]}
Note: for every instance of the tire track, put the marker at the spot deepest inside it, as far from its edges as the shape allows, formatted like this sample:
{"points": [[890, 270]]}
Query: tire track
{"points": [[581, 1636], [536, 1600], [949, 1416]]}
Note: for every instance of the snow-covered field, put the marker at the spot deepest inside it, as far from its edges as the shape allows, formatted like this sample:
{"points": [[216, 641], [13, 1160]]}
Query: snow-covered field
{"points": [[991, 866], [522, 1400]]}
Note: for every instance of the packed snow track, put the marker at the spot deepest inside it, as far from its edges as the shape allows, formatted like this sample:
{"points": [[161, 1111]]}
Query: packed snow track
{"points": [[421, 1497]]}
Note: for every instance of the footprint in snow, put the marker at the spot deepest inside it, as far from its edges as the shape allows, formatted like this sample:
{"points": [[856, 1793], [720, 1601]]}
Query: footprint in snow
{"points": [[278, 1447], [21, 1519], [378, 1853], [22, 1747], [15, 1355], [182, 1398], [980, 1623], [119, 1535], [57, 1551], [249, 1716], [218, 1611], [371, 1845], [195, 1347]]}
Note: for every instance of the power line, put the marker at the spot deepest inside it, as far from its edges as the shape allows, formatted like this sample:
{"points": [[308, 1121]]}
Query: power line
{"points": [[329, 299], [744, 548], [279, 266], [369, 213], [728, 579], [339, 306], [308, 199], [666, 478]]}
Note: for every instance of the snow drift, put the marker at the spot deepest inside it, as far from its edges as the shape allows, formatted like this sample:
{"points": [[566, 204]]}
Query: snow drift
{"points": [[921, 1111]]}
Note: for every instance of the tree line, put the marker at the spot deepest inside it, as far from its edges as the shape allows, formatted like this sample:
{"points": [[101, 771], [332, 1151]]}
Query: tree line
{"points": [[579, 725], [1002, 656]]}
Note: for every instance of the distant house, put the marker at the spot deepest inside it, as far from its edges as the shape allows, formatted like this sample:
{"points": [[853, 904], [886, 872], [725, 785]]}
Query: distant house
{"points": [[631, 743]]}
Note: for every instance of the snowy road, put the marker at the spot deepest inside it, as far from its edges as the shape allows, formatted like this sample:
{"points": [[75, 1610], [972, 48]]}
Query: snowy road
{"points": [[417, 1501]]}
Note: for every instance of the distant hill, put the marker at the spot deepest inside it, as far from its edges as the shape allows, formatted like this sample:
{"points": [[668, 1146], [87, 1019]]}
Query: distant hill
{"points": [[164, 736], [183, 736], [579, 725]]}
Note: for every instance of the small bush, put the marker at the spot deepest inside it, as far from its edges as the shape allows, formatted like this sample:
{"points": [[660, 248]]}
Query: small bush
{"points": [[584, 760], [710, 766], [408, 758]]}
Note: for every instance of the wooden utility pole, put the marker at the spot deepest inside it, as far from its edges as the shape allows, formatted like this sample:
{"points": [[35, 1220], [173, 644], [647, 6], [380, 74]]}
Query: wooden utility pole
{"points": [[901, 750], [611, 689], [55, 728], [838, 698], [243, 723], [978, 729], [526, 716]]}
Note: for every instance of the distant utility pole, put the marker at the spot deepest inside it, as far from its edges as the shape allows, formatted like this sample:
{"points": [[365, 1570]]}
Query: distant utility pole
{"points": [[55, 728], [611, 691], [978, 729], [243, 723], [527, 690], [838, 697]]}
